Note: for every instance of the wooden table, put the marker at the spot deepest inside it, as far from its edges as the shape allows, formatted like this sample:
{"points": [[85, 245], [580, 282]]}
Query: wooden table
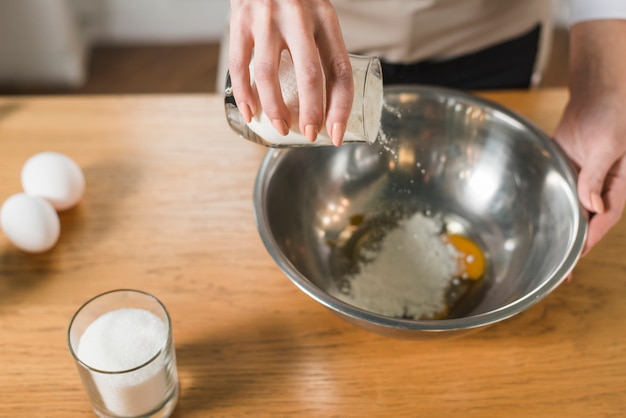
{"points": [[168, 209]]}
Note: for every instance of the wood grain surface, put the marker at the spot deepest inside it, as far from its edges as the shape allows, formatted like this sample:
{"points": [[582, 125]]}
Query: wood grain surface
{"points": [[168, 210]]}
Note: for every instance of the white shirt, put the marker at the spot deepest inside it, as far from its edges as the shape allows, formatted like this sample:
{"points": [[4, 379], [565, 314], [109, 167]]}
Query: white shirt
{"points": [[582, 10], [407, 31]]}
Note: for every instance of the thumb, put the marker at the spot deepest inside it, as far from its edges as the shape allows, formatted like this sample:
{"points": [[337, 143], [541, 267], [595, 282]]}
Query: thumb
{"points": [[591, 179]]}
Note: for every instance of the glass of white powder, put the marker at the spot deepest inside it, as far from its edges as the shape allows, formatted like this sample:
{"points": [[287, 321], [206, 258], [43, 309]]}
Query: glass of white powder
{"points": [[122, 345], [363, 124]]}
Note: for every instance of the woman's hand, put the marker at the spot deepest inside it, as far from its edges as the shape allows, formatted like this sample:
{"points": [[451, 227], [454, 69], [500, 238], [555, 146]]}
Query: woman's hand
{"points": [[309, 30], [592, 130]]}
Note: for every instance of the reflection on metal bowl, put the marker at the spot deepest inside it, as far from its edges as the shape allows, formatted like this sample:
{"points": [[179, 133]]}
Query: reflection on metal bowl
{"points": [[482, 171]]}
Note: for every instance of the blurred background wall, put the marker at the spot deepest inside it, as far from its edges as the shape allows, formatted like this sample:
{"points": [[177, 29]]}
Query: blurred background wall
{"points": [[40, 42], [68, 45], [147, 21], [48, 42]]}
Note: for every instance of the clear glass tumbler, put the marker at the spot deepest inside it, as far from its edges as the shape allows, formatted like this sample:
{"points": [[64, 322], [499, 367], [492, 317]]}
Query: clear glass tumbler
{"points": [[148, 388], [363, 124]]}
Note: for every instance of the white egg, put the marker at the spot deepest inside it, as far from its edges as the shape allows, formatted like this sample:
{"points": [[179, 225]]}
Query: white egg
{"points": [[55, 177], [30, 222]]}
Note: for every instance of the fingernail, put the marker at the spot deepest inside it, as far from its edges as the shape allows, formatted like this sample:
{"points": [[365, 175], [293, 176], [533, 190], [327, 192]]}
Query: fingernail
{"points": [[245, 112], [585, 251], [596, 203], [281, 126], [337, 135], [311, 132]]}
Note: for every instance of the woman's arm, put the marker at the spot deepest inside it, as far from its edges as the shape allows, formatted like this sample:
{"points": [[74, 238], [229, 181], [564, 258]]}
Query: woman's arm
{"points": [[592, 130]]}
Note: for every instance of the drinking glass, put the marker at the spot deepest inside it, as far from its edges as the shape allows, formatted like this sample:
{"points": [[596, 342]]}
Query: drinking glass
{"points": [[149, 389], [363, 124]]}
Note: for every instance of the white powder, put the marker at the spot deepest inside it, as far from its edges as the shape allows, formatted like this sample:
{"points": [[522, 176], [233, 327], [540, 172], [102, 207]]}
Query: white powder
{"points": [[389, 144], [364, 118], [408, 275], [121, 340]]}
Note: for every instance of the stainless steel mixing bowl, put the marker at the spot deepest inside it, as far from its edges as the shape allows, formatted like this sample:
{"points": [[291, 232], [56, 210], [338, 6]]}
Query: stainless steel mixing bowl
{"points": [[487, 172]]}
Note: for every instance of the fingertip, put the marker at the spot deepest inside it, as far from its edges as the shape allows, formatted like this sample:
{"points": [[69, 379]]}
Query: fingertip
{"points": [[337, 132], [599, 226], [585, 251], [246, 112], [311, 131], [597, 204], [281, 126], [584, 196]]}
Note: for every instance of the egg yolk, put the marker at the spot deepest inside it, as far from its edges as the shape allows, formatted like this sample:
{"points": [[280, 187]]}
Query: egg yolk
{"points": [[470, 257]]}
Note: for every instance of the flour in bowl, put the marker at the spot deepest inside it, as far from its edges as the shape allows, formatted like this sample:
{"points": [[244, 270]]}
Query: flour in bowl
{"points": [[407, 276]]}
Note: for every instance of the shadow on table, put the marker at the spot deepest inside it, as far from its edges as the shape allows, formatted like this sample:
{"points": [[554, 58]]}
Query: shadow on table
{"points": [[102, 210], [8, 108], [20, 271], [83, 228], [237, 367]]}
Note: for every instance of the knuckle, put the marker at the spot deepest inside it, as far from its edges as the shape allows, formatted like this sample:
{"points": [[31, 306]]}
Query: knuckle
{"points": [[236, 66], [341, 71], [311, 74], [241, 93], [326, 11], [265, 72]]}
